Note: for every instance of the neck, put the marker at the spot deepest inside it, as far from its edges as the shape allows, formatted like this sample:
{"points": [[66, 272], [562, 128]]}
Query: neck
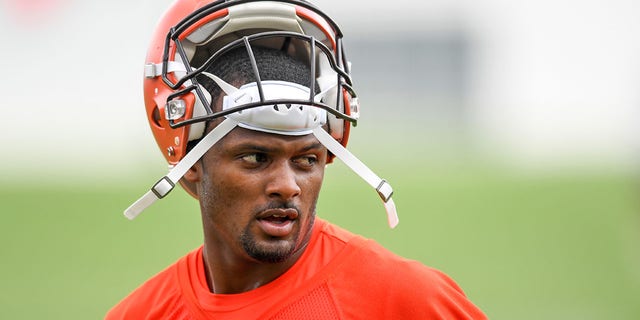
{"points": [[226, 276], [228, 272]]}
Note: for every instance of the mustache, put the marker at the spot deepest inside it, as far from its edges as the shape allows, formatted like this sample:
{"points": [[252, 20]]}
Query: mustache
{"points": [[278, 205]]}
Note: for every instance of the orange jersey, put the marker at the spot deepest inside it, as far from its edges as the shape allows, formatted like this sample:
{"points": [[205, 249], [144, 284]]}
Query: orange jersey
{"points": [[339, 276]]}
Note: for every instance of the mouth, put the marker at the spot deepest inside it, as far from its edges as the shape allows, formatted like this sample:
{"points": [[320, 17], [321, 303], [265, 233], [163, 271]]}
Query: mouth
{"points": [[277, 222]]}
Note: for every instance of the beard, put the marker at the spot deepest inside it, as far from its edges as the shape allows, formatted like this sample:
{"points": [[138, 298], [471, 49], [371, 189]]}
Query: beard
{"points": [[275, 251]]}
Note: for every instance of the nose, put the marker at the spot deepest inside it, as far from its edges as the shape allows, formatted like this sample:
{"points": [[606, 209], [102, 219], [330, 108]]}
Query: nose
{"points": [[283, 183]]}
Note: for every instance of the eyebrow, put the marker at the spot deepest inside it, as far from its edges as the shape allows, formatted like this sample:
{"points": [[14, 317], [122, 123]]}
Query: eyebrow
{"points": [[315, 145], [266, 149]]}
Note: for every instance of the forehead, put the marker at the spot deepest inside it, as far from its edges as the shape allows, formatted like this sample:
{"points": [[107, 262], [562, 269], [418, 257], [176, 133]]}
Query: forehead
{"points": [[241, 137]]}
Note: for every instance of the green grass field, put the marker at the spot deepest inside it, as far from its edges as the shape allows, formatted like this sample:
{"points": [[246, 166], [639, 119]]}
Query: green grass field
{"points": [[522, 246]]}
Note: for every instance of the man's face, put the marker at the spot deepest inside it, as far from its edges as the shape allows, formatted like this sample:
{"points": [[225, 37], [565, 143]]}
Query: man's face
{"points": [[258, 193]]}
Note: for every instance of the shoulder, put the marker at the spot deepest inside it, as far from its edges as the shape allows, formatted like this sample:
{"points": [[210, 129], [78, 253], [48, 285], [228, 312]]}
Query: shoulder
{"points": [[401, 288], [396, 272], [392, 266], [157, 298], [332, 232]]}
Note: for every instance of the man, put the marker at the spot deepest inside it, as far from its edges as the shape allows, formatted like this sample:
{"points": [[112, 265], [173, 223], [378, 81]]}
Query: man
{"points": [[249, 100]]}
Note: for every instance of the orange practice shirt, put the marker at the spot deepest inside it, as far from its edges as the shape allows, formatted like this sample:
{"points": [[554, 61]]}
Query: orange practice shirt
{"points": [[339, 276]]}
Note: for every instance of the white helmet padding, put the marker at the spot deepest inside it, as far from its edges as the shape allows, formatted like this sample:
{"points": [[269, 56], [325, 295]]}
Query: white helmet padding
{"points": [[290, 119]]}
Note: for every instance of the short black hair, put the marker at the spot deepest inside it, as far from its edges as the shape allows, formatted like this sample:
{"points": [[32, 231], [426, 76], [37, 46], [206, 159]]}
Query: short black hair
{"points": [[235, 68]]}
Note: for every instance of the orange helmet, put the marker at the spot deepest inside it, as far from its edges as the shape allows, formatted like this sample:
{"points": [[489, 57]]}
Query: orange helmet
{"points": [[177, 106], [192, 36]]}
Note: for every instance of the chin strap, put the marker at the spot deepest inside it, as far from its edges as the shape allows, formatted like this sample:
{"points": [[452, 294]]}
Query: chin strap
{"points": [[166, 183], [382, 186]]}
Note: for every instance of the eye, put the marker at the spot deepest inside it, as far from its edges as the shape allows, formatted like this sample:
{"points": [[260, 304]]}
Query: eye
{"points": [[254, 158], [306, 161]]}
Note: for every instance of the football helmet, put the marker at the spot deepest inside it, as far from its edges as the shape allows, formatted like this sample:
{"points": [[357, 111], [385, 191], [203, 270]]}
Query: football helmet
{"points": [[191, 37]]}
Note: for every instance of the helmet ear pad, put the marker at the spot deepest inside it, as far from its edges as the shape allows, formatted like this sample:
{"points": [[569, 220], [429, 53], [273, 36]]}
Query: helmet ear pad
{"points": [[197, 130]]}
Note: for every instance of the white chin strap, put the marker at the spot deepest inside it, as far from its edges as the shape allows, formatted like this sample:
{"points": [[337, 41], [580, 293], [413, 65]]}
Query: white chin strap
{"points": [[166, 184], [382, 186], [286, 120]]}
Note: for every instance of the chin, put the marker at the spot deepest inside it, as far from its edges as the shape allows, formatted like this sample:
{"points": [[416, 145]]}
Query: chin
{"points": [[274, 251]]}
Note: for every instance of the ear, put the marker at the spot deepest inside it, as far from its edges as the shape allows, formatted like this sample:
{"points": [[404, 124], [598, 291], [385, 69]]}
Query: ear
{"points": [[191, 179]]}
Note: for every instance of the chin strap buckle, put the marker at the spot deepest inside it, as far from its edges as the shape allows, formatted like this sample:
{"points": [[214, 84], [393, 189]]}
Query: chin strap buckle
{"points": [[163, 187], [384, 190]]}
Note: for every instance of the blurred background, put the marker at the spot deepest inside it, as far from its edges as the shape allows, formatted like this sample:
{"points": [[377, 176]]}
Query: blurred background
{"points": [[510, 131]]}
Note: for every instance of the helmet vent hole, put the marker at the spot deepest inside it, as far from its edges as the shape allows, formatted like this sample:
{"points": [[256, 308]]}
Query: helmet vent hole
{"points": [[155, 116]]}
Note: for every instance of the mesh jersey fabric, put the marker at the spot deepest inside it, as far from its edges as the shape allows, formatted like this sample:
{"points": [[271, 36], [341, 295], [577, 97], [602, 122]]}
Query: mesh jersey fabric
{"points": [[339, 276]]}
